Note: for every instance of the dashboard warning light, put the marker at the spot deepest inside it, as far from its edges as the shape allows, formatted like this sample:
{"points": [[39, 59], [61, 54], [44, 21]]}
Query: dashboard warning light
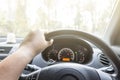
{"points": [[66, 59]]}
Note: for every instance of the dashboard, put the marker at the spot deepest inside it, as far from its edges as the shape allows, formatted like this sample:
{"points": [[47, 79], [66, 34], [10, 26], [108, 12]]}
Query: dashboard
{"points": [[80, 51], [67, 49], [64, 50]]}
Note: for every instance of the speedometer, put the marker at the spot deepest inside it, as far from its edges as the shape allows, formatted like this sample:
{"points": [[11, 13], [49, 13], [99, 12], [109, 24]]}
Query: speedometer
{"points": [[66, 55]]}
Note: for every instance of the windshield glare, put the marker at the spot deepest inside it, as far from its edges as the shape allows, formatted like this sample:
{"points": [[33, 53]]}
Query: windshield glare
{"points": [[20, 16]]}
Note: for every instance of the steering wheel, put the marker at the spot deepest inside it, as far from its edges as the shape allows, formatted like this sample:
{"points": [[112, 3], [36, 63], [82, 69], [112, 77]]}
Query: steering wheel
{"points": [[73, 71]]}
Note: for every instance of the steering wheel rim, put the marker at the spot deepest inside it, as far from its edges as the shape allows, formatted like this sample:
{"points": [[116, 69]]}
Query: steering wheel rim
{"points": [[96, 41], [41, 73]]}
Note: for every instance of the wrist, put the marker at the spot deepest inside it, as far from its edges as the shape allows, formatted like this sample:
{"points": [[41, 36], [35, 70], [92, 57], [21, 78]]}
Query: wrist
{"points": [[27, 51]]}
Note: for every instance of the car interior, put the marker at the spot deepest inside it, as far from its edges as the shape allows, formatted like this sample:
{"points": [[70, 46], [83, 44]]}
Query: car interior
{"points": [[77, 53]]}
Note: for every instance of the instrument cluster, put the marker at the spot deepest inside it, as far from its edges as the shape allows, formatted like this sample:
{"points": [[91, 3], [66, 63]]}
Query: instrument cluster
{"points": [[68, 50]]}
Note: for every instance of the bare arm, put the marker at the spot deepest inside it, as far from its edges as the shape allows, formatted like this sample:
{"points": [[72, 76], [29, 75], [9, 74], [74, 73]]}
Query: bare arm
{"points": [[12, 67]]}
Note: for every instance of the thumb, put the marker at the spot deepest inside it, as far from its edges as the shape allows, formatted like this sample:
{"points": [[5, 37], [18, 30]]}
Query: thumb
{"points": [[50, 42]]}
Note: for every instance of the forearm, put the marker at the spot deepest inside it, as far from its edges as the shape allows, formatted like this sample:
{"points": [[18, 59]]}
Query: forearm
{"points": [[12, 67]]}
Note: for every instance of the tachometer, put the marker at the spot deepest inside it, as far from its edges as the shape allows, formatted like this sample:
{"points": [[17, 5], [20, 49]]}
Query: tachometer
{"points": [[52, 55], [66, 55]]}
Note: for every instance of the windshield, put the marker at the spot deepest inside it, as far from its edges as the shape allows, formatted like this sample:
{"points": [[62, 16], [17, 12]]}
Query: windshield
{"points": [[19, 16]]}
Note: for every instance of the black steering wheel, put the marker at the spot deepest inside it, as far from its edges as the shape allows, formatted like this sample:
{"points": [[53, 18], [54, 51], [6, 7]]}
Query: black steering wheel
{"points": [[73, 71]]}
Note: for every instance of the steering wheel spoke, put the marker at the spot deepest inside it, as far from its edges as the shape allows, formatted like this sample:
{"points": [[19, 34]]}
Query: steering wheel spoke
{"points": [[34, 73]]}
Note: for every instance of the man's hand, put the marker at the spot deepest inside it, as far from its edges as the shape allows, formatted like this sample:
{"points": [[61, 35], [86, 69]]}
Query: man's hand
{"points": [[35, 42]]}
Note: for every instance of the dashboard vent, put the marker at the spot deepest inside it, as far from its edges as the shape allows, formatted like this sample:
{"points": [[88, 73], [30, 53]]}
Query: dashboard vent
{"points": [[104, 60]]}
